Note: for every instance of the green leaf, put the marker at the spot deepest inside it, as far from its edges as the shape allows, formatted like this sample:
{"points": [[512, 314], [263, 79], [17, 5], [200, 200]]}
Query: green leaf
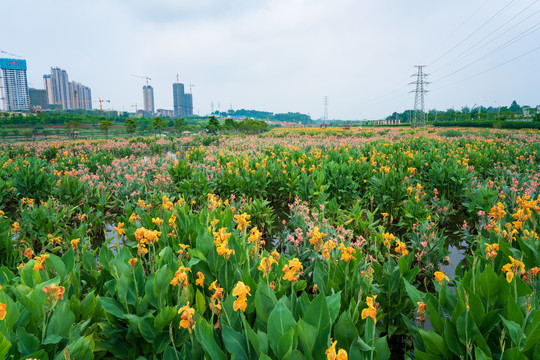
{"points": [[26, 343], [251, 336], [205, 335], [164, 318], [513, 329], [307, 334], [345, 331], [285, 343], [112, 306], [279, 322], [234, 342], [434, 342], [382, 349], [334, 304], [513, 311], [146, 327], [38, 355], [200, 302], [265, 300], [4, 346], [452, 339], [295, 355], [533, 331], [61, 321], [415, 294], [317, 313], [57, 266], [52, 339]]}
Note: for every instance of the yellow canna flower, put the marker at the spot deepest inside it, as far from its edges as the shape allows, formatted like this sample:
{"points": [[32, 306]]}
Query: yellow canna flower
{"points": [[186, 314], [2, 311], [200, 279], [241, 290], [439, 276], [75, 243]]}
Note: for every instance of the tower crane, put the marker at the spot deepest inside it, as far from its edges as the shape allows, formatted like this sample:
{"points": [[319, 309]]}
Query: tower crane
{"points": [[101, 103], [5, 52], [143, 77]]}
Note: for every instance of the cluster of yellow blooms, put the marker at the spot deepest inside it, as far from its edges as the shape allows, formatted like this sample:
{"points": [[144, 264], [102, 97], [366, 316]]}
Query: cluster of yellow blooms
{"points": [[332, 355], [316, 238], [440, 276], [267, 262], [512, 268], [54, 292], [241, 291], [186, 314], [180, 277], [491, 251], [215, 300], [2, 311], [145, 237], [39, 262], [371, 310], [291, 269], [221, 240], [242, 221]]}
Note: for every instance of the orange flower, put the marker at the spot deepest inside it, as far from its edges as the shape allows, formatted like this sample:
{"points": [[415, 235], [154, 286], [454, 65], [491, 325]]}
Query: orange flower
{"points": [[291, 269], [39, 262], [182, 250], [180, 277], [241, 290], [371, 310], [200, 280], [215, 300], [2, 311], [331, 353], [439, 276], [187, 317], [29, 253], [346, 252], [266, 264], [316, 238], [515, 267], [157, 221], [388, 238], [133, 262], [15, 227], [491, 251], [54, 292], [134, 217], [328, 246], [401, 248], [255, 236], [242, 221], [75, 243], [120, 228]]}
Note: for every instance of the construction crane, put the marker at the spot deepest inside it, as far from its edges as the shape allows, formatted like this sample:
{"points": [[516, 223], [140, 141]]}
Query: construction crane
{"points": [[5, 52], [135, 106], [190, 86], [143, 77], [101, 103]]}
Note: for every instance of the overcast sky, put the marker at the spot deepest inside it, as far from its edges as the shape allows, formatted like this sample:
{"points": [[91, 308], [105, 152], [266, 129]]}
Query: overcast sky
{"points": [[285, 55]]}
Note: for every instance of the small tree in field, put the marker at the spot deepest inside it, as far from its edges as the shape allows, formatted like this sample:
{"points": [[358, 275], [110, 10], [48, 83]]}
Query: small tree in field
{"points": [[72, 129], [159, 124], [131, 125], [105, 125]]}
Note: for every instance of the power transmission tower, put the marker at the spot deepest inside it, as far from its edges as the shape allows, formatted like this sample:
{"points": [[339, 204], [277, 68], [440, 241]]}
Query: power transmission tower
{"points": [[326, 109], [419, 108]]}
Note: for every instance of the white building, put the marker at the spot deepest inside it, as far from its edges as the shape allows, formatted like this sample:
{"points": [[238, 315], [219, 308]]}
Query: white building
{"points": [[14, 91]]}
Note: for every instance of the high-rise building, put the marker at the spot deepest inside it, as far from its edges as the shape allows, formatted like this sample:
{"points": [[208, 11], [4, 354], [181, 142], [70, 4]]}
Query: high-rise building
{"points": [[148, 99], [81, 96], [70, 95], [14, 85], [183, 103], [38, 99]]}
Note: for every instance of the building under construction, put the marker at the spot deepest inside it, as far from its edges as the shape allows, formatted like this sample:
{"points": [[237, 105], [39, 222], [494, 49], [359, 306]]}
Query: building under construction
{"points": [[14, 85], [183, 103]]}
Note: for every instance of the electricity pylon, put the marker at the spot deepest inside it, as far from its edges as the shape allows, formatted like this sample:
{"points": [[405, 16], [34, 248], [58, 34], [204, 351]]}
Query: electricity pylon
{"points": [[419, 96]]}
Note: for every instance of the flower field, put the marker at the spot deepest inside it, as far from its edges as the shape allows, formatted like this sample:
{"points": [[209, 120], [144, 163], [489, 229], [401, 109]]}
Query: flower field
{"points": [[294, 244]]}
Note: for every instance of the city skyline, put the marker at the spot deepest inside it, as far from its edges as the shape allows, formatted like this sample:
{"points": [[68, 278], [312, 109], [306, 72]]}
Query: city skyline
{"points": [[14, 91], [283, 56]]}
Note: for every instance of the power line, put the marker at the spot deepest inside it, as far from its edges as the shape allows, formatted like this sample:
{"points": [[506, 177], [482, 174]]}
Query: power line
{"points": [[492, 68], [474, 32], [474, 47], [460, 26], [500, 47]]}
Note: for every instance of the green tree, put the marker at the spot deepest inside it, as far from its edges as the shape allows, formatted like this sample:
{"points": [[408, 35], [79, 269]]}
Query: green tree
{"points": [[131, 125], [159, 124], [515, 107], [179, 125], [72, 129], [105, 125], [213, 125]]}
